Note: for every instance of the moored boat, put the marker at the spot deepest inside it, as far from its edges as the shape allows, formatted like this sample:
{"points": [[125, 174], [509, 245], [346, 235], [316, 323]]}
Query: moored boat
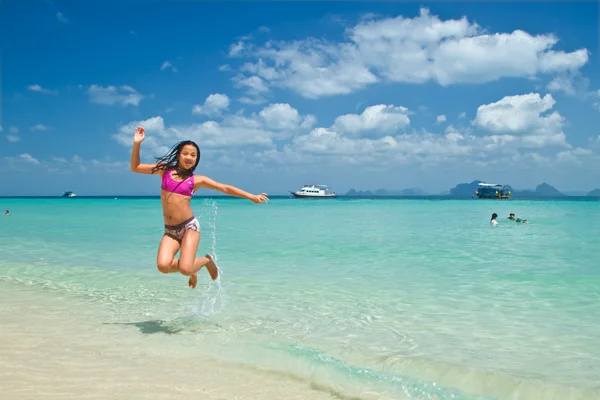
{"points": [[492, 191], [314, 191]]}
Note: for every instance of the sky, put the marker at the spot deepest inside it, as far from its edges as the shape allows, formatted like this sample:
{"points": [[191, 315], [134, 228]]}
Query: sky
{"points": [[278, 94]]}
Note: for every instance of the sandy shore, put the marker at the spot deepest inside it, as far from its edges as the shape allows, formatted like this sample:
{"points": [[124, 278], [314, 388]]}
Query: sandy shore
{"points": [[50, 349], [56, 347]]}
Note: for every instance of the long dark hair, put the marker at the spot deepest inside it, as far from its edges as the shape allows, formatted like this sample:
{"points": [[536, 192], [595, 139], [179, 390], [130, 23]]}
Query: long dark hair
{"points": [[171, 160]]}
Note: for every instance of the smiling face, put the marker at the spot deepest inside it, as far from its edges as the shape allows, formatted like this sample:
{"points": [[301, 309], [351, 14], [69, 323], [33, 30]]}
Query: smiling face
{"points": [[188, 157]]}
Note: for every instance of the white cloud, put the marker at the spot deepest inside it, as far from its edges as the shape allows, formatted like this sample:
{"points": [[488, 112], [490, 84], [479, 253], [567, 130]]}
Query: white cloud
{"points": [[38, 88], [571, 83], [29, 158], [375, 120], [111, 95], [411, 50], [526, 116], [60, 16], [67, 166], [254, 83], [521, 130], [282, 116], [440, 119], [236, 48], [13, 137], [40, 127], [214, 104], [168, 64], [274, 123], [561, 83], [462, 115], [575, 156], [252, 100]]}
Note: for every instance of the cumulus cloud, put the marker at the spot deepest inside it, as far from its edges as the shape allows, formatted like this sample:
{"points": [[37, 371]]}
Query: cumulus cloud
{"points": [[282, 116], [515, 129], [440, 119], [401, 49], [39, 89], [213, 105], [111, 95], [236, 131], [527, 116], [375, 120]]}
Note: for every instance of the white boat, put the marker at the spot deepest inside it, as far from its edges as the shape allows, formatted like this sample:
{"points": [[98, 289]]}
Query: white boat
{"points": [[69, 194], [314, 191]]}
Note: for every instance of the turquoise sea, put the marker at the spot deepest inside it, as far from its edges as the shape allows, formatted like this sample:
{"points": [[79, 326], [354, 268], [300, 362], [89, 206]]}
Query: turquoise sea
{"points": [[360, 298]]}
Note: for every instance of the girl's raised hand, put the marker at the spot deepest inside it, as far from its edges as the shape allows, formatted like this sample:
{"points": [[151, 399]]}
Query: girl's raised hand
{"points": [[138, 136]]}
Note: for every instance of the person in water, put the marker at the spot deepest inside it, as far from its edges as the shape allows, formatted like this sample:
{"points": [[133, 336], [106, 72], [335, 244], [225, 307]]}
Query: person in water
{"points": [[493, 221], [182, 229]]}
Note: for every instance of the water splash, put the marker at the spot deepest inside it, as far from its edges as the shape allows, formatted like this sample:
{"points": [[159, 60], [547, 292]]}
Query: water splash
{"points": [[213, 296]]}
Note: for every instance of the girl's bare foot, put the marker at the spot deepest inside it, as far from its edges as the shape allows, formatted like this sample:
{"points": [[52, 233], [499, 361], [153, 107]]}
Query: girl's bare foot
{"points": [[193, 281], [212, 268]]}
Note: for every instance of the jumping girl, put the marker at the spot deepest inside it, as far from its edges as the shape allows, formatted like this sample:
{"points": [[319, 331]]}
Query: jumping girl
{"points": [[182, 230]]}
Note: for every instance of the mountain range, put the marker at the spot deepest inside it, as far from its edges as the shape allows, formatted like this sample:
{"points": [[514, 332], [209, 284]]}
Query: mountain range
{"points": [[463, 190]]}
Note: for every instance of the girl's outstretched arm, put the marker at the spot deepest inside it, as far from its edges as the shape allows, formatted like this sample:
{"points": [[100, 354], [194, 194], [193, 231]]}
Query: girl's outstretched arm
{"points": [[204, 181], [135, 164]]}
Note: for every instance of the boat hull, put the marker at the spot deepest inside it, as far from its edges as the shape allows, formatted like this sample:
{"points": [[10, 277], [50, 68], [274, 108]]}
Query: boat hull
{"points": [[493, 196], [308, 196]]}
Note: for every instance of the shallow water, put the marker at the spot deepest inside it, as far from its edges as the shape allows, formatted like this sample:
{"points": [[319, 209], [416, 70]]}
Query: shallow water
{"points": [[413, 298]]}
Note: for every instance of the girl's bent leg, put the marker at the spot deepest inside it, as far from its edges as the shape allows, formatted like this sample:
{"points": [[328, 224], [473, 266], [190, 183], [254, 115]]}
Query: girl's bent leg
{"points": [[189, 264], [165, 260]]}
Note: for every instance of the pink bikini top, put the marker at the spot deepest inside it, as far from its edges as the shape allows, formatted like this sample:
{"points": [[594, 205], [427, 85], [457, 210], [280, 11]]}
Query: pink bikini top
{"points": [[169, 184]]}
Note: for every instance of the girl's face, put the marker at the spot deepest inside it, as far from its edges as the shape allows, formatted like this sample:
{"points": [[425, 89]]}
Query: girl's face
{"points": [[188, 157]]}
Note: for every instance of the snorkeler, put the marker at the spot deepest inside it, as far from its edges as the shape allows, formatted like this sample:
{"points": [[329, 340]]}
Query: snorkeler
{"points": [[182, 229]]}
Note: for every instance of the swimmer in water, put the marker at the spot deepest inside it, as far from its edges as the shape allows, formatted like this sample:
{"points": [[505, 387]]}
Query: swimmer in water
{"points": [[512, 216], [182, 229], [7, 213], [493, 221]]}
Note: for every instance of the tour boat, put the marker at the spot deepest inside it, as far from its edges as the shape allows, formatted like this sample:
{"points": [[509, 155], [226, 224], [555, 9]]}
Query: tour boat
{"points": [[492, 191], [314, 191]]}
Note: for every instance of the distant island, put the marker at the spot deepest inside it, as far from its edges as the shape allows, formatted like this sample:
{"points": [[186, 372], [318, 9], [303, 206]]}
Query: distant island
{"points": [[464, 190], [383, 192], [542, 190]]}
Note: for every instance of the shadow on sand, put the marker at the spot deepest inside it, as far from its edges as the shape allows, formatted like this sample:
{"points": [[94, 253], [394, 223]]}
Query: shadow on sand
{"points": [[177, 326]]}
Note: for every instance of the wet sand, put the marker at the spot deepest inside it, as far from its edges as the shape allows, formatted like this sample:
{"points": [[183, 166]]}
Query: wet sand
{"points": [[52, 350]]}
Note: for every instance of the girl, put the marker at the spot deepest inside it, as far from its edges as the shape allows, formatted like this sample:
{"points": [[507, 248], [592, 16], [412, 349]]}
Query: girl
{"points": [[182, 230], [493, 221]]}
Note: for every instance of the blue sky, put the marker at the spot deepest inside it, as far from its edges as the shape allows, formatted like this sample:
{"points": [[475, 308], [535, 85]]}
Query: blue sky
{"points": [[277, 94]]}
